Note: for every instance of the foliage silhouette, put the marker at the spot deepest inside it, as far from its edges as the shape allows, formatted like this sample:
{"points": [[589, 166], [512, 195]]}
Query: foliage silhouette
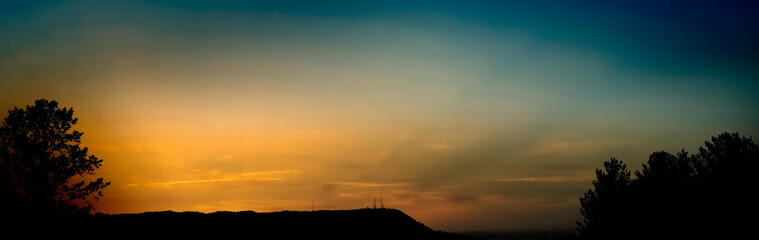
{"points": [[676, 196], [603, 206], [42, 166]]}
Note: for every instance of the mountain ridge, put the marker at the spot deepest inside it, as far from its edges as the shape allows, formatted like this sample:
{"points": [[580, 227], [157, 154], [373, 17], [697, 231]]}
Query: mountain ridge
{"points": [[366, 223]]}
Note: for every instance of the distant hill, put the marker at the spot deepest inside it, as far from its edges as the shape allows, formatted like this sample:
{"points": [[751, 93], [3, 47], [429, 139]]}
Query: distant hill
{"points": [[339, 224]]}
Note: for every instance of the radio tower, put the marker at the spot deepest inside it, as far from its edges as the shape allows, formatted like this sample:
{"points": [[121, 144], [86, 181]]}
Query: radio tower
{"points": [[382, 204]]}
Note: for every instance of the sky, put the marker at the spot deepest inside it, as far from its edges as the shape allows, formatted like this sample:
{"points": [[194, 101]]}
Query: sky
{"points": [[466, 115]]}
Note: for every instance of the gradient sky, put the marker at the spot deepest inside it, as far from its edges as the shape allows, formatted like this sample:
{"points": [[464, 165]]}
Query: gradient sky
{"points": [[471, 115]]}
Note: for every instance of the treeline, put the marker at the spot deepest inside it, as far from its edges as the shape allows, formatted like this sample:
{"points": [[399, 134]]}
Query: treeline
{"points": [[710, 194]]}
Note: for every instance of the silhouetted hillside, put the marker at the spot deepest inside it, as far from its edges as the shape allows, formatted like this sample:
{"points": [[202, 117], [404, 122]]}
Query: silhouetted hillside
{"points": [[342, 224]]}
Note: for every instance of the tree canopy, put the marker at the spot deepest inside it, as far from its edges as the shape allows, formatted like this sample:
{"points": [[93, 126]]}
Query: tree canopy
{"points": [[675, 195], [43, 168]]}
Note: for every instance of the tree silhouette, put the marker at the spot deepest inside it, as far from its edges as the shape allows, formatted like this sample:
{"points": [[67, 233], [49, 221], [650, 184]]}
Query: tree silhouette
{"points": [[603, 207], [39, 158], [676, 196]]}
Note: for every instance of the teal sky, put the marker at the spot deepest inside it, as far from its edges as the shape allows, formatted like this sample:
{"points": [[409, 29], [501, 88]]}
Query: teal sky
{"points": [[468, 115]]}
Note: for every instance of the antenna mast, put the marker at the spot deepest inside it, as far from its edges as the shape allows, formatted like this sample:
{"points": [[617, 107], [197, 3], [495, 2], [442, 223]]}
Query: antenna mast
{"points": [[382, 204]]}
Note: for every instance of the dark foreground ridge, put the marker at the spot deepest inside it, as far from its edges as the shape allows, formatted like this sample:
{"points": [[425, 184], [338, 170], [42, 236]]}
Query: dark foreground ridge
{"points": [[338, 224]]}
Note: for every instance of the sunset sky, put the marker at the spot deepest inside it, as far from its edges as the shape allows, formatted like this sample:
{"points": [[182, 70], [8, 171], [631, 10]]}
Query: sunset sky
{"points": [[471, 115]]}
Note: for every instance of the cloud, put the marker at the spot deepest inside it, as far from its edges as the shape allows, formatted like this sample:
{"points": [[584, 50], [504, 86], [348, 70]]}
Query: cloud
{"points": [[583, 147], [368, 184], [579, 176], [248, 176], [546, 179], [440, 146]]}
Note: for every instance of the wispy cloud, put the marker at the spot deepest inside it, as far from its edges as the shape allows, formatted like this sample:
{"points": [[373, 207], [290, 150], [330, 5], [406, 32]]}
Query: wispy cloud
{"points": [[440, 146], [578, 147], [248, 176], [564, 178], [368, 184]]}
